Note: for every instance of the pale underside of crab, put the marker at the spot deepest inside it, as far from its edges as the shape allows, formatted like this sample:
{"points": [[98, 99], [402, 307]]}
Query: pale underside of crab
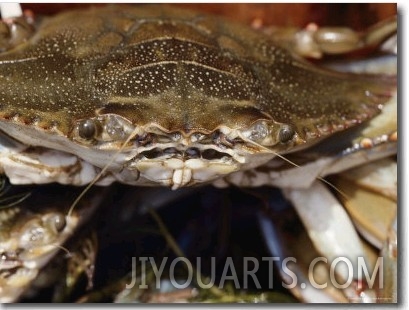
{"points": [[156, 96]]}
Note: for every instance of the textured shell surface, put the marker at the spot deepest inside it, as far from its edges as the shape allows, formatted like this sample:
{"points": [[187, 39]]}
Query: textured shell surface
{"points": [[181, 70]]}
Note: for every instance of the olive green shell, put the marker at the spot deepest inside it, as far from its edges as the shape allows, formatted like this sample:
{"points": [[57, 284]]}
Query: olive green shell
{"points": [[182, 70]]}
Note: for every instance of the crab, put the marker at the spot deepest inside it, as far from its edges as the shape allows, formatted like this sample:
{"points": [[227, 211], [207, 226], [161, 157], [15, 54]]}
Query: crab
{"points": [[156, 96]]}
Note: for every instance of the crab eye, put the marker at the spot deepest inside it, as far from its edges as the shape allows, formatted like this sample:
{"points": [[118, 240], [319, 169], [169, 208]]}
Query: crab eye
{"points": [[286, 133], [87, 129], [57, 222]]}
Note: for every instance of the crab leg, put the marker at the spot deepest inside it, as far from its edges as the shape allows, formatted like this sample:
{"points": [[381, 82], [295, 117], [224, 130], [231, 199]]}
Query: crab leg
{"points": [[24, 165], [390, 254], [303, 289], [327, 223], [314, 41]]}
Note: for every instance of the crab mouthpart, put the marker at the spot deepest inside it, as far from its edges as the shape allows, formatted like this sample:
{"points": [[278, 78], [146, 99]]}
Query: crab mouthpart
{"points": [[179, 172]]}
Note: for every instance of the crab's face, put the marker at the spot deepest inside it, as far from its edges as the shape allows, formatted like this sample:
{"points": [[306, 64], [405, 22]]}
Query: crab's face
{"points": [[179, 158], [172, 101]]}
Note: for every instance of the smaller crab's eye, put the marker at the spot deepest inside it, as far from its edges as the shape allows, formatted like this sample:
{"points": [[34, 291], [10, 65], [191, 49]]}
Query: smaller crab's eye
{"points": [[58, 222], [286, 133], [87, 129]]}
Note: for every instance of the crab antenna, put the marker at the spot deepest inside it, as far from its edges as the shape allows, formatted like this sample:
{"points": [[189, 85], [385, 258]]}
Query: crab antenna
{"points": [[318, 178], [101, 173], [59, 246]]}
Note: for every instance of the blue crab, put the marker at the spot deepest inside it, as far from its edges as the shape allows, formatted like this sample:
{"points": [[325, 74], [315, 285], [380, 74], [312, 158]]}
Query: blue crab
{"points": [[156, 96]]}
